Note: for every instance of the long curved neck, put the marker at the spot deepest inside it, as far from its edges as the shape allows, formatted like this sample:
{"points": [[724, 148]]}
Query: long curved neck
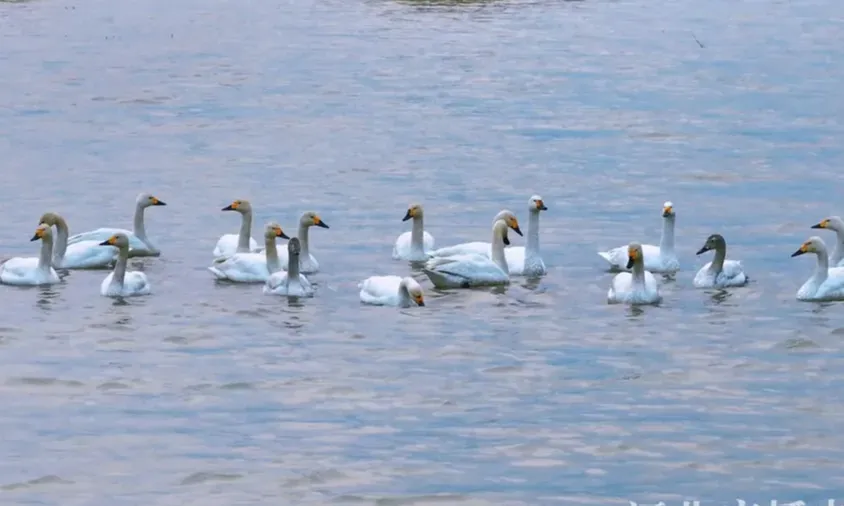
{"points": [[718, 261], [838, 251], [639, 272], [271, 252], [532, 247], [138, 223], [666, 243], [60, 245], [498, 252], [293, 267], [120, 266], [416, 235], [45, 259], [303, 240], [404, 296], [245, 232], [822, 269]]}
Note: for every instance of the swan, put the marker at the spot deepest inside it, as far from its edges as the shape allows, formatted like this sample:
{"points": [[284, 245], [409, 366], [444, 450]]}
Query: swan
{"points": [[719, 273], [415, 245], [290, 283], [391, 291], [251, 267], [32, 270], [242, 242], [825, 284], [836, 224], [307, 263], [636, 287], [660, 258], [139, 244], [79, 255], [479, 247], [471, 269], [120, 283]]}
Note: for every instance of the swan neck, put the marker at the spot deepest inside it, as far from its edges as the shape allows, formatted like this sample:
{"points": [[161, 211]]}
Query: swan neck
{"points": [[718, 261], [245, 232], [45, 259], [838, 251], [532, 247], [293, 266], [639, 272], [666, 243], [498, 256], [416, 235], [60, 246], [120, 266], [138, 227], [303, 241], [404, 296], [822, 269], [271, 252]]}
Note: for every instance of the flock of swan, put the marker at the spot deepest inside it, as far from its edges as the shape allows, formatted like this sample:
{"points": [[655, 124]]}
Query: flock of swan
{"points": [[239, 258]]}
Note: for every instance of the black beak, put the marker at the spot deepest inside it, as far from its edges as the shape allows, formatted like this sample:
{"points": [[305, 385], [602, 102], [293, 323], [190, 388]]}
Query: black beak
{"points": [[518, 231], [283, 236], [104, 243], [816, 225], [228, 208], [630, 262], [506, 241], [797, 253], [420, 304], [34, 238], [407, 216], [322, 224], [666, 215], [704, 249], [160, 203]]}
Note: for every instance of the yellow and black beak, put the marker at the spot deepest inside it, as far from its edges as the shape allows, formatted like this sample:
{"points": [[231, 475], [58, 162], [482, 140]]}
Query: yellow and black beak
{"points": [[109, 242], [631, 258], [157, 202], [318, 222], [666, 211], [516, 229], [822, 224], [420, 301], [280, 233], [541, 205], [408, 215], [230, 207], [803, 249], [37, 236]]}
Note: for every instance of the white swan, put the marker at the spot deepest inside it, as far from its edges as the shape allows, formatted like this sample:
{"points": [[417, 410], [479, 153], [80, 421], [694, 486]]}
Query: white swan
{"points": [[139, 244], [479, 247], [119, 282], [415, 245], [636, 287], [79, 255], [834, 223], [391, 291], [242, 242], [472, 269], [307, 263], [290, 283], [251, 267], [719, 273], [32, 270], [660, 258], [825, 284]]}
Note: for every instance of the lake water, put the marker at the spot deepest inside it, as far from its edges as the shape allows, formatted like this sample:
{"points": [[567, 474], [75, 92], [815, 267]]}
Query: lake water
{"points": [[215, 394]]}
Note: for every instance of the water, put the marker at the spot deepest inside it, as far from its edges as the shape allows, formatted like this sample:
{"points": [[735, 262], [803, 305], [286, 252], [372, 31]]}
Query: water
{"points": [[207, 393]]}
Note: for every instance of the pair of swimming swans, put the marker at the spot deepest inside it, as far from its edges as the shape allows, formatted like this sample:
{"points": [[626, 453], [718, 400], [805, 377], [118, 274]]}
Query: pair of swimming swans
{"points": [[139, 244], [826, 283]]}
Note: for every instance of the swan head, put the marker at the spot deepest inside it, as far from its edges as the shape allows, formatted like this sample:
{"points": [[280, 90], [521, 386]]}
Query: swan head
{"points": [[119, 239], [241, 206], [414, 289], [668, 209], [510, 219], [414, 211], [311, 219], [273, 230], [832, 223], [50, 219], [536, 204], [293, 247], [634, 254], [42, 232], [713, 242], [499, 229], [147, 200], [813, 245]]}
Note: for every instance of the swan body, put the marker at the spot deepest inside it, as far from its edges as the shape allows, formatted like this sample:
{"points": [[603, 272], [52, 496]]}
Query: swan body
{"points": [[242, 242], [391, 291], [661, 259], [119, 282], [79, 255], [471, 269], [307, 263], [521, 260], [291, 282], [825, 284], [139, 243], [836, 224], [636, 287], [719, 273], [480, 247], [251, 267], [414, 246], [31, 271]]}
